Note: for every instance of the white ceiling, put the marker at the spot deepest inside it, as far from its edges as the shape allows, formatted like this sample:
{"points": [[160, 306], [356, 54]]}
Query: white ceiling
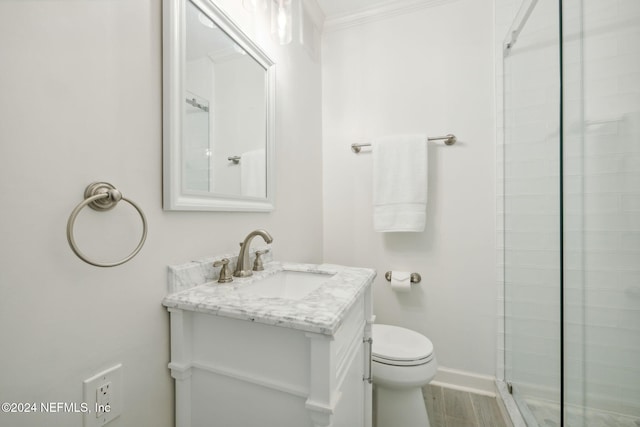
{"points": [[340, 13], [343, 7]]}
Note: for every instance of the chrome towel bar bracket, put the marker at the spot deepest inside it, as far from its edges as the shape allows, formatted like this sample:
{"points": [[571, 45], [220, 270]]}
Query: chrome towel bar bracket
{"points": [[102, 196], [449, 139]]}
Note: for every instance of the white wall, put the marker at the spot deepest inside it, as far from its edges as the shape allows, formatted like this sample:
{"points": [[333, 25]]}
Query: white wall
{"points": [[427, 71], [81, 101]]}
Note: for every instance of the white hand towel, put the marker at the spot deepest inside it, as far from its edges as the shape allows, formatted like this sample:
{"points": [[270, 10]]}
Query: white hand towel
{"points": [[400, 183], [253, 173]]}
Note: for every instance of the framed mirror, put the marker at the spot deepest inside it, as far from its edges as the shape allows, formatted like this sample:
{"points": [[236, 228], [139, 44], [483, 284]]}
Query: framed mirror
{"points": [[218, 113]]}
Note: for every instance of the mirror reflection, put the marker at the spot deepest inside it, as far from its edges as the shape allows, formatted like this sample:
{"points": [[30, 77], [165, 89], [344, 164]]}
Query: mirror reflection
{"points": [[224, 133]]}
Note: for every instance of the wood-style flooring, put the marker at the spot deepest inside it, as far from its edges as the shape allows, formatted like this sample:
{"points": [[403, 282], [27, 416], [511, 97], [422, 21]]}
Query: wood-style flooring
{"points": [[453, 408]]}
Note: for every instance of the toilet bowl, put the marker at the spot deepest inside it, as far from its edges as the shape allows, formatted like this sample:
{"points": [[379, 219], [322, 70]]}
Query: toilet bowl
{"points": [[403, 361]]}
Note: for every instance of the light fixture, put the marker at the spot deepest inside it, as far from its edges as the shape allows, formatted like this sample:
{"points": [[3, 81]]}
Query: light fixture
{"points": [[255, 5], [281, 21]]}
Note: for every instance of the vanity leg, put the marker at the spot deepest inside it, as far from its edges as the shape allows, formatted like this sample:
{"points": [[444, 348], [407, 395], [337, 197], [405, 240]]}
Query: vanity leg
{"points": [[183, 397], [180, 364]]}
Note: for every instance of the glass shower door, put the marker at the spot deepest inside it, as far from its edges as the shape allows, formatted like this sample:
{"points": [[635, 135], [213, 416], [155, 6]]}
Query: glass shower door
{"points": [[532, 211], [601, 53], [572, 212]]}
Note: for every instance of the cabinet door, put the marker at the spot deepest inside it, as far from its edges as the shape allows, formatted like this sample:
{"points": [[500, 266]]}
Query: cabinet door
{"points": [[355, 393]]}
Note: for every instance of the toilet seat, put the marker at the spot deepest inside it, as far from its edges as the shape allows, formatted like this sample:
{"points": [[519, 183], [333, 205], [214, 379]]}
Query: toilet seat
{"points": [[396, 346]]}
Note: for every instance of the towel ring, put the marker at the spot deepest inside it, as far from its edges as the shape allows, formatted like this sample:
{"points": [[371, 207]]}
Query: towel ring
{"points": [[102, 196]]}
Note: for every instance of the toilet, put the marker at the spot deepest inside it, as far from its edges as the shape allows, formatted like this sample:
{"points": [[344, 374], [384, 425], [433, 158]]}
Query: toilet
{"points": [[403, 361]]}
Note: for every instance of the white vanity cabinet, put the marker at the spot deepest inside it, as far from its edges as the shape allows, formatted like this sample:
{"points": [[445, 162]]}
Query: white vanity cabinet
{"points": [[247, 373]]}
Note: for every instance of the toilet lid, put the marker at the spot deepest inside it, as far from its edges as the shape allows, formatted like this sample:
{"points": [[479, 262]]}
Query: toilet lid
{"points": [[400, 346]]}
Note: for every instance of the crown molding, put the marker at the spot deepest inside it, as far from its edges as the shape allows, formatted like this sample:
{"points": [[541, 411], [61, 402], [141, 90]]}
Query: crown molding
{"points": [[380, 10]]}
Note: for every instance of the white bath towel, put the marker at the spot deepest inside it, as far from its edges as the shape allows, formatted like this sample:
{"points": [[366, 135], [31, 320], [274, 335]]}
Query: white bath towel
{"points": [[253, 173], [399, 183]]}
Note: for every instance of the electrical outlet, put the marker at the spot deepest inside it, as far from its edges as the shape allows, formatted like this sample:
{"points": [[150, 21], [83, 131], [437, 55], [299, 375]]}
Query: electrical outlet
{"points": [[103, 399], [103, 396]]}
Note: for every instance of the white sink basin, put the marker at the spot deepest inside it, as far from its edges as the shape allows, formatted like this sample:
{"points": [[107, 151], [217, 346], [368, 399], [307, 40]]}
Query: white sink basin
{"points": [[286, 284]]}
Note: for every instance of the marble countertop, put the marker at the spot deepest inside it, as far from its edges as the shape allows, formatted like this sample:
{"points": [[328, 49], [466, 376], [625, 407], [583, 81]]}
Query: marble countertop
{"points": [[321, 311]]}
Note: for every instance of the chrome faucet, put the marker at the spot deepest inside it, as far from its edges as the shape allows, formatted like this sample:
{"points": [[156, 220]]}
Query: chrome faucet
{"points": [[243, 269]]}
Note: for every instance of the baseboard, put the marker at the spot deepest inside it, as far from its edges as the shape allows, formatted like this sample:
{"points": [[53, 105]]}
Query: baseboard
{"points": [[465, 381]]}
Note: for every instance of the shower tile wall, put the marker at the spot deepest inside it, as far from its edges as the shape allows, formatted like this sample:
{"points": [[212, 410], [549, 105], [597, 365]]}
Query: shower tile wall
{"points": [[602, 204]]}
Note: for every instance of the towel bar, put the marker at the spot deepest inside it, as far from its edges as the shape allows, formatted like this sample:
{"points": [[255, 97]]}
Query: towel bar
{"points": [[449, 139]]}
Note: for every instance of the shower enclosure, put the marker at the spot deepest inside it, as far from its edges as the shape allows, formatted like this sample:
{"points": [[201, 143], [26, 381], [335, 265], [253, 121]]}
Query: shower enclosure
{"points": [[570, 185]]}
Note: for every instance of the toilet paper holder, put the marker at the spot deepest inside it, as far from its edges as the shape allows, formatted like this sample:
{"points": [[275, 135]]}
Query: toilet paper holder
{"points": [[415, 277]]}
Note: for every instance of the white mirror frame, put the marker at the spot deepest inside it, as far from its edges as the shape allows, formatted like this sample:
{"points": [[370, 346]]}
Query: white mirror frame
{"points": [[174, 47]]}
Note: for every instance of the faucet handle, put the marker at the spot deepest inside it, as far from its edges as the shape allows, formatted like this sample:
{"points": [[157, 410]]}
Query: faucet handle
{"points": [[225, 275], [257, 264]]}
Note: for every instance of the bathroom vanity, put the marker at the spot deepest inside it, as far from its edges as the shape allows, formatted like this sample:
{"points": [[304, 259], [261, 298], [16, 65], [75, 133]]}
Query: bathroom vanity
{"points": [[287, 347]]}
